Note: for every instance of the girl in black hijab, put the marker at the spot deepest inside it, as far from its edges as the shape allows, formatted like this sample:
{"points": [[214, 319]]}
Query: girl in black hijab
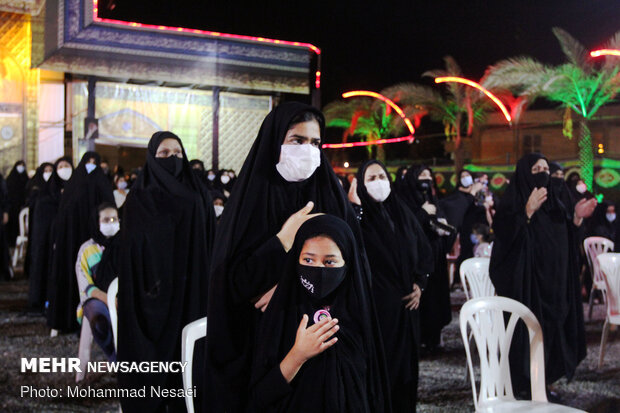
{"points": [[16, 186], [166, 240], [418, 193], [534, 261], [317, 344], [400, 259], [284, 177], [87, 188], [43, 204]]}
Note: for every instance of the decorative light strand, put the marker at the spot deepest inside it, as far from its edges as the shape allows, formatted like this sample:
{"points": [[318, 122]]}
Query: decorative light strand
{"points": [[473, 84], [384, 99], [377, 142], [605, 52]]}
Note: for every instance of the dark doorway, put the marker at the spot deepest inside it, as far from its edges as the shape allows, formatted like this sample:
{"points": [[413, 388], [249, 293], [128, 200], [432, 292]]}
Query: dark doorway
{"points": [[127, 157]]}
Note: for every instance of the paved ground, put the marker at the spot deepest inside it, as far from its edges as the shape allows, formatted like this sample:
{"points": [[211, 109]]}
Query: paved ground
{"points": [[442, 385]]}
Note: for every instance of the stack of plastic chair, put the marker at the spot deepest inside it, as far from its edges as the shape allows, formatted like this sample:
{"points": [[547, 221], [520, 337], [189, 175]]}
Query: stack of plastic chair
{"points": [[485, 318], [191, 333], [22, 239], [610, 268], [475, 278], [594, 246]]}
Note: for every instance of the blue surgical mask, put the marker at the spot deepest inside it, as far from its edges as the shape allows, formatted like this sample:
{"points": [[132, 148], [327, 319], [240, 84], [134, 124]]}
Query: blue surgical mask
{"points": [[90, 167], [473, 238], [611, 216], [467, 181]]}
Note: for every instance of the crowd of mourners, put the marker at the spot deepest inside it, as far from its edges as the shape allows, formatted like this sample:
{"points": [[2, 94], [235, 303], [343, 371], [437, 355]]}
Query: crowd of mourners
{"points": [[321, 291]]}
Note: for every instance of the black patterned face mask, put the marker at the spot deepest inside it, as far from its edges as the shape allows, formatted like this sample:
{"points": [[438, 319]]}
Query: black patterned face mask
{"points": [[319, 282]]}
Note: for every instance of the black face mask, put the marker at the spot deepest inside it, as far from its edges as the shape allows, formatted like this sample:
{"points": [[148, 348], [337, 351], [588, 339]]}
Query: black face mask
{"points": [[172, 164], [541, 179], [557, 184], [424, 185], [319, 282]]}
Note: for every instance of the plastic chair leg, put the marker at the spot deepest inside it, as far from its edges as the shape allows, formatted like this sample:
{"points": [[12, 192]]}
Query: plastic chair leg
{"points": [[603, 342], [86, 341], [15, 255], [591, 302]]}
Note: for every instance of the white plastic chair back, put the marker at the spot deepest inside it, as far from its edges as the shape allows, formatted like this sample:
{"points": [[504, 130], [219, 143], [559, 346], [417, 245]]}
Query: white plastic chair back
{"points": [[594, 246], [191, 332], [610, 269], [485, 317], [475, 278], [23, 222], [112, 292]]}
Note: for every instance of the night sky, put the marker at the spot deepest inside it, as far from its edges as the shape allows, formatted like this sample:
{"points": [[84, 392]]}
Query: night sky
{"points": [[371, 45]]}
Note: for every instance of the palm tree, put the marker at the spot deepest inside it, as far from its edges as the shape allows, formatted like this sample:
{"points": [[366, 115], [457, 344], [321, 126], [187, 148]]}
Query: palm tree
{"points": [[366, 117], [459, 109], [580, 85]]}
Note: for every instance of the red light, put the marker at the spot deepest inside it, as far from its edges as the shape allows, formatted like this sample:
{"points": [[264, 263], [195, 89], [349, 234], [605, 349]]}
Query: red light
{"points": [[317, 79], [203, 32], [480, 88], [605, 52], [377, 142], [384, 99]]}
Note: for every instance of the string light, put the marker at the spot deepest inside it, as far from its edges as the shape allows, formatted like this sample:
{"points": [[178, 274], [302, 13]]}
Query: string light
{"points": [[480, 88], [202, 32], [605, 52], [377, 142], [388, 101]]}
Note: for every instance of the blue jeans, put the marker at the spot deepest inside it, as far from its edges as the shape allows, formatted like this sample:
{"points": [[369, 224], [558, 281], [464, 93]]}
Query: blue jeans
{"points": [[98, 315]]}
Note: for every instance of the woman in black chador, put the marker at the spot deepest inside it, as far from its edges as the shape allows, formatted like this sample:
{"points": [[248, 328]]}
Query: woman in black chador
{"points": [[418, 193], [16, 186], [284, 178], [165, 253], [43, 203], [87, 188], [534, 261], [316, 346], [400, 259]]}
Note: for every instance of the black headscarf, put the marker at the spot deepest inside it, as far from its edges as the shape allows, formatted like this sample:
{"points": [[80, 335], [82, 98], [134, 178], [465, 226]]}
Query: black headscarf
{"points": [[16, 186], [165, 249], [43, 201], [258, 207], [535, 262], [82, 194], [399, 255], [348, 377]]}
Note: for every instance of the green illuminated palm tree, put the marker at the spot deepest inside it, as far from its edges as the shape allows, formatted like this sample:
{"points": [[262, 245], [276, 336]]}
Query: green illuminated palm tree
{"points": [[581, 85], [459, 109], [367, 118]]}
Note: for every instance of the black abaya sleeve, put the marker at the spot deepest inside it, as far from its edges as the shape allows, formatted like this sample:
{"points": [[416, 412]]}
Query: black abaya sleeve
{"points": [[265, 264], [271, 388]]}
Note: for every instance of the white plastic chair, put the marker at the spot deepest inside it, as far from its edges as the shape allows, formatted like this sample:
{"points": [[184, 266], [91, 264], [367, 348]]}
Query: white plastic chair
{"points": [[112, 292], [191, 333], [594, 246], [475, 278], [610, 268], [22, 238], [485, 317]]}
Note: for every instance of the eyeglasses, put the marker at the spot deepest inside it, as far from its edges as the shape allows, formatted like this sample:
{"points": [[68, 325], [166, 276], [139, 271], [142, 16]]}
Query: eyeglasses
{"points": [[110, 220]]}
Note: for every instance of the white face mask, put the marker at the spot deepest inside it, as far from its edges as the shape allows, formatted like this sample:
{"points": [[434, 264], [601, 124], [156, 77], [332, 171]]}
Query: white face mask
{"points": [[20, 168], [122, 185], [225, 179], [379, 189], [46, 176], [90, 167], [467, 181], [298, 162], [210, 177], [64, 173], [611, 216], [218, 210], [110, 229], [581, 188]]}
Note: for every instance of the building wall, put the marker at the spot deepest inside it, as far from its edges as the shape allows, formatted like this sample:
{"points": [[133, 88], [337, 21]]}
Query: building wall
{"points": [[541, 130]]}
